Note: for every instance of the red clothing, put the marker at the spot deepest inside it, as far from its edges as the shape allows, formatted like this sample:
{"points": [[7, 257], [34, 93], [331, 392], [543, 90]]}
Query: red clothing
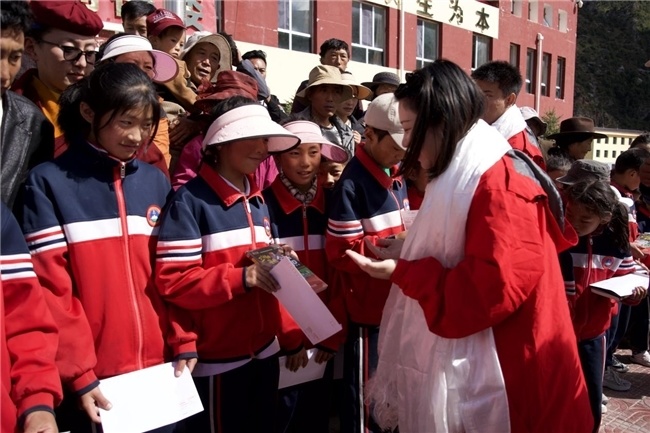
{"points": [[509, 280], [28, 335], [89, 222], [415, 197], [520, 141]]}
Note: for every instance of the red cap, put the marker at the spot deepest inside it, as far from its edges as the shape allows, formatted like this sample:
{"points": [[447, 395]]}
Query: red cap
{"points": [[162, 19], [71, 16], [229, 83]]}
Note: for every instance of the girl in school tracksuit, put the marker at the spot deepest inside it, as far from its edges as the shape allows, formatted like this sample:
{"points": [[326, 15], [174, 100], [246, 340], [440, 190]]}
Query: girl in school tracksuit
{"points": [[201, 267], [89, 220], [602, 252], [297, 207]]}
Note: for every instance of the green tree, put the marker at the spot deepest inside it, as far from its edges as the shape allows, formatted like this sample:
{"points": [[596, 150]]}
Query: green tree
{"points": [[552, 121]]}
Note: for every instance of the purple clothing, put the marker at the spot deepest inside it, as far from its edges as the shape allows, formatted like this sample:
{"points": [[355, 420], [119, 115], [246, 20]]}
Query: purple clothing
{"points": [[190, 159]]}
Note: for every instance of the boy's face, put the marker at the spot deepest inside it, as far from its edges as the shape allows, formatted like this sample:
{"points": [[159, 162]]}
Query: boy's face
{"points": [[170, 41], [632, 179], [496, 102], [12, 44], [329, 173], [338, 58], [259, 65], [135, 26], [300, 165], [385, 151]]}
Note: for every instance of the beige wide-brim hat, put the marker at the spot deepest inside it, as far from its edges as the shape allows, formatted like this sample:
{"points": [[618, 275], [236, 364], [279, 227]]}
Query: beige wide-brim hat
{"points": [[324, 74], [360, 91], [225, 56]]}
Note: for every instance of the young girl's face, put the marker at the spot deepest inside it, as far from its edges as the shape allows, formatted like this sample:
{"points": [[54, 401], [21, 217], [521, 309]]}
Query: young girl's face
{"points": [[300, 165], [329, 173], [125, 133], [583, 220], [242, 157]]}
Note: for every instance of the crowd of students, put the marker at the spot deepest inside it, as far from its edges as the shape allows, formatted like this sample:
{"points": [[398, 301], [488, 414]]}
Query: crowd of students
{"points": [[137, 175]]}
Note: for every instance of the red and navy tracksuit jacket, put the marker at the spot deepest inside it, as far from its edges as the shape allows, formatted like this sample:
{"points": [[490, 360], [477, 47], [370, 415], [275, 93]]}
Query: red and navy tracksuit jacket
{"points": [[366, 204], [206, 230], [302, 227], [90, 224], [28, 334], [595, 258]]}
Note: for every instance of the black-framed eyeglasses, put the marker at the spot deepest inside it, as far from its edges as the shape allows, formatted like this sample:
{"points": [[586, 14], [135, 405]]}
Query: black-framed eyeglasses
{"points": [[72, 54]]}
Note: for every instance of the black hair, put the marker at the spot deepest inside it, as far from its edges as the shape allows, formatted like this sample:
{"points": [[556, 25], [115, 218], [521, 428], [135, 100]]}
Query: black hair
{"points": [[234, 53], [641, 140], [598, 197], [334, 44], [501, 72], [211, 153], [445, 100], [254, 54], [111, 88], [15, 15], [134, 9], [630, 159], [557, 162]]}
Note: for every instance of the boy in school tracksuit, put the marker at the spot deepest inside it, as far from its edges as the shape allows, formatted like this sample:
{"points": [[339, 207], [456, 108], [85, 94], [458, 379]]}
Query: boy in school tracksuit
{"points": [[202, 267], [297, 207], [366, 206], [30, 387]]}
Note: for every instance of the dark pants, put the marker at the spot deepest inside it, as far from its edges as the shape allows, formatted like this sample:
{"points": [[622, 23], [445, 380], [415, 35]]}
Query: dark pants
{"points": [[69, 417], [617, 329], [240, 400], [592, 358], [359, 364], [306, 407], [639, 326]]}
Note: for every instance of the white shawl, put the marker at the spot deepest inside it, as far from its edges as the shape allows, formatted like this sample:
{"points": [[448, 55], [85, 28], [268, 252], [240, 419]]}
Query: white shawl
{"points": [[510, 123], [425, 382]]}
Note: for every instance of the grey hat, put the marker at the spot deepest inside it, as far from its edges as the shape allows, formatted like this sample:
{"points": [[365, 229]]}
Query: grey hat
{"points": [[585, 169], [382, 78]]}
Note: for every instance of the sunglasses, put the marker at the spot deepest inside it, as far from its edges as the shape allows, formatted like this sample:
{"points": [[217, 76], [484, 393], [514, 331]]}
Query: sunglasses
{"points": [[72, 54]]}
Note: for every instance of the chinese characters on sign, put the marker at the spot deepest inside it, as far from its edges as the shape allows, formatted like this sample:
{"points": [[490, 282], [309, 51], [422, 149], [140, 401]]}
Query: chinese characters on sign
{"points": [[424, 7], [482, 20], [458, 12], [193, 14]]}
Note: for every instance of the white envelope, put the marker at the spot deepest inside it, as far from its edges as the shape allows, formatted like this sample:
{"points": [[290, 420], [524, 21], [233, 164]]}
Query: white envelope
{"points": [[147, 399]]}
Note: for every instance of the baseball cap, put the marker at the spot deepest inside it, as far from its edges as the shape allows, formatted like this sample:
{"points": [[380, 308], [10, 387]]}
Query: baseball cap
{"points": [[585, 169], [161, 19], [382, 114]]}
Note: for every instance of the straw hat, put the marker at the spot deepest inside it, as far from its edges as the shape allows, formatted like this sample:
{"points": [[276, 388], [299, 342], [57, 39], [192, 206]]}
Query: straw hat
{"points": [[249, 121], [360, 91], [309, 132], [324, 74]]}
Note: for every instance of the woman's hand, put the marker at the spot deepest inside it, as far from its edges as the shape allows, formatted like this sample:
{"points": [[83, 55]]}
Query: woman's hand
{"points": [[380, 269], [297, 360], [259, 276], [182, 363], [357, 137], [386, 248], [182, 130], [92, 401], [637, 253]]}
